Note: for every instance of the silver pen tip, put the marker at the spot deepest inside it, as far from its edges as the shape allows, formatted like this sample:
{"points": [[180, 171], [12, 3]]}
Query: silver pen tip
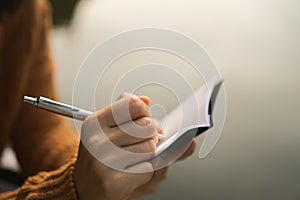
{"points": [[30, 100]]}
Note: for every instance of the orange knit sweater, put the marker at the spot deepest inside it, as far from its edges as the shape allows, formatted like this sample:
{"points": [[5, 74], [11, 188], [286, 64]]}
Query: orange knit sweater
{"points": [[45, 144]]}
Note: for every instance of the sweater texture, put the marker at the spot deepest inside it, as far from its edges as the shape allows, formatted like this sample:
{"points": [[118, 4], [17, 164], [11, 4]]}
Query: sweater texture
{"points": [[45, 144]]}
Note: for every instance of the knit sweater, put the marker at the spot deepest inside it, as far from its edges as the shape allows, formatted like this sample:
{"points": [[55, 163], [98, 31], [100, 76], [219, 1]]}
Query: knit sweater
{"points": [[44, 143]]}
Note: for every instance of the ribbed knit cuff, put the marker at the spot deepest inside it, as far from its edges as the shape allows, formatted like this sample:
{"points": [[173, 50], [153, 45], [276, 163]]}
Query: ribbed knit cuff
{"points": [[58, 184]]}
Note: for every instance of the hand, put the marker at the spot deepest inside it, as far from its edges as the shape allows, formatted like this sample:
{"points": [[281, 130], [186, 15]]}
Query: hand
{"points": [[161, 174], [95, 180]]}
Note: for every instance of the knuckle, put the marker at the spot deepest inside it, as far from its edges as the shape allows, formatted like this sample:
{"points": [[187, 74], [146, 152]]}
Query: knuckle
{"points": [[137, 106], [123, 95], [133, 100], [146, 121], [145, 127]]}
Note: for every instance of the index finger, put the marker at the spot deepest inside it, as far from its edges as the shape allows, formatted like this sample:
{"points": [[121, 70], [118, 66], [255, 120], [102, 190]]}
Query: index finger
{"points": [[123, 110]]}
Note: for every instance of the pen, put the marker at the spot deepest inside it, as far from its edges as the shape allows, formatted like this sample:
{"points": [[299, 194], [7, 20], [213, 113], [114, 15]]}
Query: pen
{"points": [[61, 108], [58, 107]]}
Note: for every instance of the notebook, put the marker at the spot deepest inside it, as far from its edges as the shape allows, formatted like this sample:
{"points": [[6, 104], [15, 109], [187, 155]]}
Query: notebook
{"points": [[188, 120]]}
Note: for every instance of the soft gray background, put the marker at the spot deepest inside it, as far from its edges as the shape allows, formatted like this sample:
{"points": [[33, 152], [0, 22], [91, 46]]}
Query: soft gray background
{"points": [[255, 44]]}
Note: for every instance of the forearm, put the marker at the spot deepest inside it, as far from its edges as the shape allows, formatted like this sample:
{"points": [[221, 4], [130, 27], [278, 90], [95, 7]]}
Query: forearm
{"points": [[42, 140], [44, 145]]}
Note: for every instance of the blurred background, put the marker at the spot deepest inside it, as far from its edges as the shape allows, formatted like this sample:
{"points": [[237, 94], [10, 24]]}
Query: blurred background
{"points": [[254, 43]]}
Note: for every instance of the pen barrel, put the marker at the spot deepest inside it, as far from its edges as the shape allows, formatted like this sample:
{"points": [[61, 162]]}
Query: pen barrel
{"points": [[63, 109]]}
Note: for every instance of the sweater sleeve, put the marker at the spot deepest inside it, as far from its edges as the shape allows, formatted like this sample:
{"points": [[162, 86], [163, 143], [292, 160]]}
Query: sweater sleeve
{"points": [[56, 184], [42, 140]]}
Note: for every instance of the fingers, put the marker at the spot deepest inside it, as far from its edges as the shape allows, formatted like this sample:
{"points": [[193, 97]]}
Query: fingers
{"points": [[127, 124], [158, 126], [144, 169], [132, 133], [127, 121], [126, 109], [147, 146], [145, 99], [137, 136]]}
